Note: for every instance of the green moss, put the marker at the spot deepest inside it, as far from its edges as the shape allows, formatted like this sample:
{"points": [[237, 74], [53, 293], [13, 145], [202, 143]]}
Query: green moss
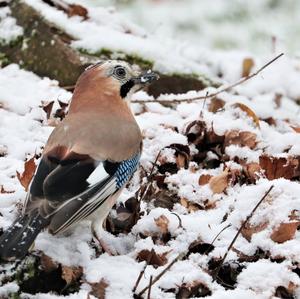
{"points": [[12, 43], [4, 61], [14, 296], [105, 53]]}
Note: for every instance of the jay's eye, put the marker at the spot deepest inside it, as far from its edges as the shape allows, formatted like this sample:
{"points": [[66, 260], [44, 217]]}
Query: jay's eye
{"points": [[120, 72]]}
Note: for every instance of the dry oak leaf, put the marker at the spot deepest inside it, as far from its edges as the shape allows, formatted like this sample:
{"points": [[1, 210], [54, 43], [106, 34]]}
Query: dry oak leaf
{"points": [[248, 230], [252, 171], [204, 179], [162, 223], [296, 129], [249, 112], [2, 190], [241, 138], [47, 264], [26, 176], [190, 206], [47, 107], [98, 289], [248, 64], [285, 231], [274, 168], [77, 10], [71, 274], [219, 183], [152, 257], [215, 105]]}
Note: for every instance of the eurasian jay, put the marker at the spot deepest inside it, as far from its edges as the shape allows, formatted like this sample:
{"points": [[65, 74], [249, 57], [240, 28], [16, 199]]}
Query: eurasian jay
{"points": [[87, 160]]}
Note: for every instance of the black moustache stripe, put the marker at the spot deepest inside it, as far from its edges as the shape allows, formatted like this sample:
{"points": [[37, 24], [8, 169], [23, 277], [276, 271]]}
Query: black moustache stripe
{"points": [[125, 88]]}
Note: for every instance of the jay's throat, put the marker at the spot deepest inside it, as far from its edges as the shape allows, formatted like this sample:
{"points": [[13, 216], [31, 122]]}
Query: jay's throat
{"points": [[125, 88]]}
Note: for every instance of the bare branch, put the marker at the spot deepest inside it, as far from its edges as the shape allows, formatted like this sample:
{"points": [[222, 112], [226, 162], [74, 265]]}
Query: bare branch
{"points": [[179, 257], [240, 230], [207, 96], [150, 285]]}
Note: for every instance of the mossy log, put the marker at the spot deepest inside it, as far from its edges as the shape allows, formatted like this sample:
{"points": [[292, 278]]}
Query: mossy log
{"points": [[45, 49]]}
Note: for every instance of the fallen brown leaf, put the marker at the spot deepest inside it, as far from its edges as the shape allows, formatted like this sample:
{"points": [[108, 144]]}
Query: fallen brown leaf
{"points": [[47, 264], [242, 138], [71, 274], [215, 105], [2, 190], [152, 257], [219, 183], [204, 179], [26, 176], [47, 107], [248, 230], [285, 232], [248, 64], [190, 206], [99, 289], [249, 112], [274, 168], [77, 10], [252, 171], [193, 289], [162, 223]]}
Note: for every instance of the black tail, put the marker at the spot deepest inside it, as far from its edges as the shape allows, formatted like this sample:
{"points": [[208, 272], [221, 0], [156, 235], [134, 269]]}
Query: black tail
{"points": [[16, 241]]}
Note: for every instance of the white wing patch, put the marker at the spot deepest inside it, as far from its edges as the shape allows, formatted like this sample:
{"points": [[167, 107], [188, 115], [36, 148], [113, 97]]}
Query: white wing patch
{"points": [[97, 175]]}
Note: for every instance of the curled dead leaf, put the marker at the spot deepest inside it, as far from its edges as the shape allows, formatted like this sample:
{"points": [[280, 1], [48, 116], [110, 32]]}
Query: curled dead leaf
{"points": [[47, 264], [285, 231], [193, 289], [296, 129], [99, 289], [241, 138], [204, 179], [162, 223], [219, 183], [215, 105], [2, 190], [77, 10], [252, 171], [152, 258], [47, 107], [26, 176], [274, 168], [69, 9], [190, 206], [249, 112], [248, 230], [71, 274], [248, 64]]}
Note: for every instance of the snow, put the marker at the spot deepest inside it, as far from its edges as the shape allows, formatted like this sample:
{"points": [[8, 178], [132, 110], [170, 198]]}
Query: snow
{"points": [[9, 30], [24, 131]]}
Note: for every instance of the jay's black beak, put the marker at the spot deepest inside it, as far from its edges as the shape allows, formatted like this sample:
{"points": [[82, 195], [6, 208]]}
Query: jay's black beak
{"points": [[146, 78]]}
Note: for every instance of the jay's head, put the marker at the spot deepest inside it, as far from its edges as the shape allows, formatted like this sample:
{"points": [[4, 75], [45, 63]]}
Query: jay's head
{"points": [[116, 77]]}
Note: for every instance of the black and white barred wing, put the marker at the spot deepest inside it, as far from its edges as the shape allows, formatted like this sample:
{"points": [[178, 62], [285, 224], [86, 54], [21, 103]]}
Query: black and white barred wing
{"points": [[106, 179]]}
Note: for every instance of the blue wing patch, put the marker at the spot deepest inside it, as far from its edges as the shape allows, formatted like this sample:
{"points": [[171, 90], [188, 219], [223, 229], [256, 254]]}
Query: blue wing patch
{"points": [[126, 170]]}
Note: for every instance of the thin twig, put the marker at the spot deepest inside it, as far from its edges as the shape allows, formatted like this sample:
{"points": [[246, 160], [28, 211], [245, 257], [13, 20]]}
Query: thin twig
{"points": [[149, 178], [240, 230], [150, 285], [143, 271], [207, 96], [179, 257], [215, 238], [179, 219]]}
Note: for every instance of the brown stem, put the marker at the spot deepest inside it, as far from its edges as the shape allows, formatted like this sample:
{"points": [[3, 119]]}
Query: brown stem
{"points": [[150, 285], [207, 96], [179, 257], [240, 230]]}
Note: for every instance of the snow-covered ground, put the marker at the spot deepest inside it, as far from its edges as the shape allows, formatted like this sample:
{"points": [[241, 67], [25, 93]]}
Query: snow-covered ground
{"points": [[230, 153]]}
